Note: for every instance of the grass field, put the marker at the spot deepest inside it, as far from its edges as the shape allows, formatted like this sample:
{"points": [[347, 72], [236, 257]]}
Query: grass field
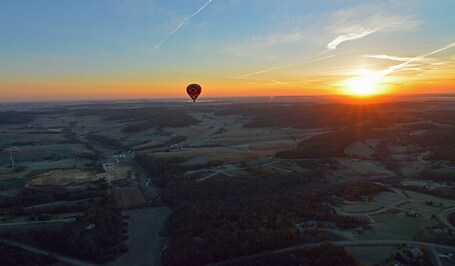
{"points": [[359, 207], [216, 153], [61, 177], [360, 149], [40, 153], [387, 198], [371, 255], [396, 226]]}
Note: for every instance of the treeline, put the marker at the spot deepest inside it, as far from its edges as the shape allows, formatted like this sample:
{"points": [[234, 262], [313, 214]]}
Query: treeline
{"points": [[105, 141], [313, 115], [441, 142], [421, 126], [441, 193], [452, 218], [440, 116], [13, 117], [13, 256], [436, 176], [326, 254], [101, 244], [326, 145], [208, 232], [28, 197], [143, 118], [161, 170], [225, 217]]}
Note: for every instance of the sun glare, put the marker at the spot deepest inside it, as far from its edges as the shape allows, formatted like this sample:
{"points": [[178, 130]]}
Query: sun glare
{"points": [[363, 85]]}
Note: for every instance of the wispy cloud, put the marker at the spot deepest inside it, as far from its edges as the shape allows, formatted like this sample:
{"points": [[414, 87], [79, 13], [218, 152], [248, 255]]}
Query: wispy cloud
{"points": [[361, 21], [347, 25], [262, 44], [348, 37], [181, 24]]}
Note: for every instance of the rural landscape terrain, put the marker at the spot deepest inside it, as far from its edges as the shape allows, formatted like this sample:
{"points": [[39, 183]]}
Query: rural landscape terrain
{"points": [[250, 182]]}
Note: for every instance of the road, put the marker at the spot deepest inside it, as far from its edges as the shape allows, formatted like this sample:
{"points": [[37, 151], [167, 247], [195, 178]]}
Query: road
{"points": [[443, 217], [69, 220], [214, 126], [65, 259], [420, 157], [344, 243]]}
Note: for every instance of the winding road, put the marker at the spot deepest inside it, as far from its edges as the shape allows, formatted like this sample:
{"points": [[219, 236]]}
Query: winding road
{"points": [[65, 259], [345, 243], [443, 217]]}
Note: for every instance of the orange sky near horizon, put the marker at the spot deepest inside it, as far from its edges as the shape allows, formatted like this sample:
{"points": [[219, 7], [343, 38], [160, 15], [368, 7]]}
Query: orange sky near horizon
{"points": [[137, 50]]}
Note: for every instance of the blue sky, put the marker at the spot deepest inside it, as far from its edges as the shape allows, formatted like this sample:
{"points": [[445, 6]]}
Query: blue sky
{"points": [[112, 44]]}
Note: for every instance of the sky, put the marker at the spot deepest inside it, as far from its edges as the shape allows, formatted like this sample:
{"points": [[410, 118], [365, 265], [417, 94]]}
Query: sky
{"points": [[135, 49]]}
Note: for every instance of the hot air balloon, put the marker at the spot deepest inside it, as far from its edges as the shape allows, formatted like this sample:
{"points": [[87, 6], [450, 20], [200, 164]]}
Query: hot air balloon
{"points": [[193, 90]]}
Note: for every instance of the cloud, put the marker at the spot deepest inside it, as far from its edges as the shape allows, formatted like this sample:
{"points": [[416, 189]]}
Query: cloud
{"points": [[181, 24], [347, 24], [348, 37], [360, 21], [261, 44]]}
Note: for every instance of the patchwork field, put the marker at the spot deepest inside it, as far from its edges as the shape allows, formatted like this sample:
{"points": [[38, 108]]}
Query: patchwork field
{"points": [[365, 168], [396, 226], [387, 198], [216, 153], [360, 207], [360, 149], [371, 255], [62, 178], [37, 153]]}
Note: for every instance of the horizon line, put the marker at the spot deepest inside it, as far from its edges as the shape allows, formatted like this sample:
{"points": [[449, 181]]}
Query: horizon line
{"points": [[204, 99]]}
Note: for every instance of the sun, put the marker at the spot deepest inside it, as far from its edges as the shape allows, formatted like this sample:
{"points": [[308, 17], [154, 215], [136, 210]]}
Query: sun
{"points": [[363, 85]]}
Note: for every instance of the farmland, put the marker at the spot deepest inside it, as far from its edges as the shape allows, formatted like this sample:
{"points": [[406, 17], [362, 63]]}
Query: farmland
{"points": [[363, 178]]}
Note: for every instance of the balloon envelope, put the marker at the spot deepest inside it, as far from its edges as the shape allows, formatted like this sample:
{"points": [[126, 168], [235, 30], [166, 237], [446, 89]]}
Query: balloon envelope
{"points": [[193, 90]]}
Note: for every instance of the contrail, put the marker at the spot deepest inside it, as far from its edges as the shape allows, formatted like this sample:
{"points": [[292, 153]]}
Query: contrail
{"points": [[417, 58], [348, 37], [376, 76], [330, 47], [284, 66], [183, 22], [391, 57], [322, 58], [261, 71]]}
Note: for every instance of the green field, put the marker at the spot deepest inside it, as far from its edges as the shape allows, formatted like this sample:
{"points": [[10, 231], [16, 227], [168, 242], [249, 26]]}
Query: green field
{"points": [[371, 255], [12, 183], [34, 169], [40, 153], [7, 139], [396, 226]]}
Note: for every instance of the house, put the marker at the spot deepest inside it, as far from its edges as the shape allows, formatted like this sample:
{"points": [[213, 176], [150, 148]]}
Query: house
{"points": [[310, 223], [416, 253], [439, 232], [90, 226]]}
